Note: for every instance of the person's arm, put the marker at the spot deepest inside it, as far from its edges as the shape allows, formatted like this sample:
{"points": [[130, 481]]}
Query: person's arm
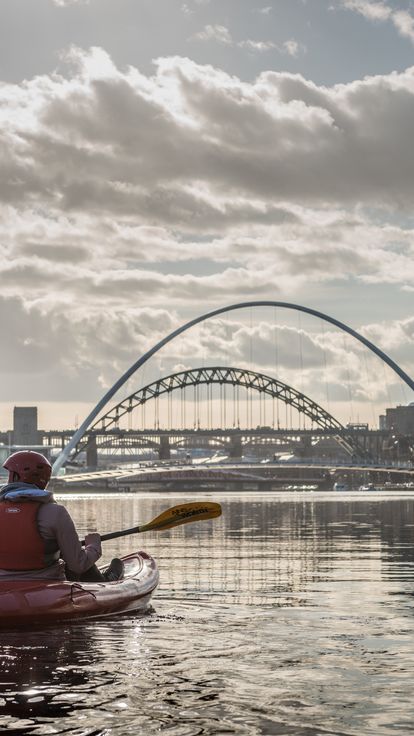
{"points": [[77, 558]]}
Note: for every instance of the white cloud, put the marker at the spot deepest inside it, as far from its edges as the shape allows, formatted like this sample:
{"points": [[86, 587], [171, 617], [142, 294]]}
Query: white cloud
{"points": [[133, 198], [105, 139], [291, 47], [404, 22], [64, 3], [194, 150], [63, 354], [371, 10], [218, 33], [380, 11], [257, 45], [188, 9], [221, 34]]}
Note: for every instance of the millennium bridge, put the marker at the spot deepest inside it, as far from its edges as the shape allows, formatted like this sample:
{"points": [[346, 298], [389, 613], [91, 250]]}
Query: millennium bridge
{"points": [[215, 415]]}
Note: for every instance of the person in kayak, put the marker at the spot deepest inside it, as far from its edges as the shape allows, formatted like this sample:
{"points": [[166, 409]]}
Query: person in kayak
{"points": [[38, 538]]}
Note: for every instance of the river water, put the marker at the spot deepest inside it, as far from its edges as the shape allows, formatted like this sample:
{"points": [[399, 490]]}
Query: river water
{"points": [[289, 615]]}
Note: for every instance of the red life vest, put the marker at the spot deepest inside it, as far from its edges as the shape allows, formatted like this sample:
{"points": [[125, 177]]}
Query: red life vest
{"points": [[21, 546]]}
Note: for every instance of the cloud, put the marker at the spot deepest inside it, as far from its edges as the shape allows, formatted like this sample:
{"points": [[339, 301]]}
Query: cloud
{"points": [[370, 10], [117, 142], [257, 45], [122, 169], [51, 355], [404, 22], [264, 11], [190, 10], [380, 11], [221, 34], [291, 47], [64, 3], [128, 199], [217, 33]]}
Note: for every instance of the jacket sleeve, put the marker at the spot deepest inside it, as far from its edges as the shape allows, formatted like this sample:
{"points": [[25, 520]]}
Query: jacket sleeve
{"points": [[77, 558]]}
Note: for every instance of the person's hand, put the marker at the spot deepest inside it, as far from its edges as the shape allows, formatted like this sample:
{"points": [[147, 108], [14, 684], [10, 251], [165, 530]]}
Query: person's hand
{"points": [[93, 539]]}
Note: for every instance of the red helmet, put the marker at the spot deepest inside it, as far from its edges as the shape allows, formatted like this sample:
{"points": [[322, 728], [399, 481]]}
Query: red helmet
{"points": [[29, 467]]}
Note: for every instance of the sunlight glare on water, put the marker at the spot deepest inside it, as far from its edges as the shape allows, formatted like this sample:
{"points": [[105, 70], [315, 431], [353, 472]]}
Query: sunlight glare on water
{"points": [[290, 614]]}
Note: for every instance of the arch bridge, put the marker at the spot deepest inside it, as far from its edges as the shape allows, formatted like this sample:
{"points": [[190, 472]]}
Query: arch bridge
{"points": [[102, 403], [222, 375]]}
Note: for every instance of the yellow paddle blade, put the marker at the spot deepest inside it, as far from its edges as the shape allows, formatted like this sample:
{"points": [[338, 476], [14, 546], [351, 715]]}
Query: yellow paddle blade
{"points": [[183, 514], [176, 515]]}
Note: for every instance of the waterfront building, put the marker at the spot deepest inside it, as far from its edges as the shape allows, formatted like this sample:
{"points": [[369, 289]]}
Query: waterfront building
{"points": [[400, 419], [25, 430]]}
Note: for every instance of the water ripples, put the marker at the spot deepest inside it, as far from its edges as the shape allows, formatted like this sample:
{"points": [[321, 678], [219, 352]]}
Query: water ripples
{"points": [[284, 618]]}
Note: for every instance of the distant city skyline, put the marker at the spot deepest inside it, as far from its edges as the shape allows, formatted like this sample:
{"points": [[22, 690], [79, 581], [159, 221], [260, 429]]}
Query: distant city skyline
{"points": [[162, 158]]}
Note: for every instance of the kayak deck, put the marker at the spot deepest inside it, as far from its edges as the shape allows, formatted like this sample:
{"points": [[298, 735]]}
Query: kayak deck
{"points": [[28, 602]]}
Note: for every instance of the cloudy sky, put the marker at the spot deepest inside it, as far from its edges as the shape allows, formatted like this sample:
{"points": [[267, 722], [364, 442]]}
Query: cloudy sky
{"points": [[161, 158]]}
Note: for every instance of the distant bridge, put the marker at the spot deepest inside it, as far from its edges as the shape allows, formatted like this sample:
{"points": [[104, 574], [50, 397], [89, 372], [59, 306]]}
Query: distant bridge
{"points": [[236, 377], [76, 438], [357, 441], [228, 476], [234, 442]]}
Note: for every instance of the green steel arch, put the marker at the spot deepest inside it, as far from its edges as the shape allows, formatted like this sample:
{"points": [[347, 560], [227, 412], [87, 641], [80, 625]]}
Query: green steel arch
{"points": [[231, 376]]}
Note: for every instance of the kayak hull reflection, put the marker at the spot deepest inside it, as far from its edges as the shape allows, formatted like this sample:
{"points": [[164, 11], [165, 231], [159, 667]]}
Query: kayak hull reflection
{"points": [[25, 603]]}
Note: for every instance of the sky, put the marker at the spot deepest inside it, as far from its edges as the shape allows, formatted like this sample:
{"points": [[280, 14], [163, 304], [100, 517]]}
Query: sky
{"points": [[162, 158]]}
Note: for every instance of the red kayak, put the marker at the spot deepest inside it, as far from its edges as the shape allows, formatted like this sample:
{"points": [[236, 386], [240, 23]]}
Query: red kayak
{"points": [[25, 603]]}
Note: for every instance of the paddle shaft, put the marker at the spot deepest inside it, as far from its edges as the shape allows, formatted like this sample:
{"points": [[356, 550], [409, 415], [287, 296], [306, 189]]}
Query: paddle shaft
{"points": [[123, 533], [181, 514]]}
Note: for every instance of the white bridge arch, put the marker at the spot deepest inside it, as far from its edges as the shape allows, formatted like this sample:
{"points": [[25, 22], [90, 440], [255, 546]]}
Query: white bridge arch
{"points": [[65, 454]]}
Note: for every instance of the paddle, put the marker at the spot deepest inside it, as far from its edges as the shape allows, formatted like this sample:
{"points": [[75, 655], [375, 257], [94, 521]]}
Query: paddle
{"points": [[176, 515]]}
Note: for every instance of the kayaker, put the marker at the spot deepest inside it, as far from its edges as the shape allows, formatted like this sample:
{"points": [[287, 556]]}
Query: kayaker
{"points": [[38, 538]]}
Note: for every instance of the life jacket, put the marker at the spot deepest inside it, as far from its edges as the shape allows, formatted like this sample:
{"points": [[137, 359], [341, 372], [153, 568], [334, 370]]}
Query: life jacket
{"points": [[21, 546]]}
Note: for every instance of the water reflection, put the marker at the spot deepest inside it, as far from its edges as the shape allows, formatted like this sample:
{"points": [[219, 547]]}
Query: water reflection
{"points": [[44, 675], [285, 616]]}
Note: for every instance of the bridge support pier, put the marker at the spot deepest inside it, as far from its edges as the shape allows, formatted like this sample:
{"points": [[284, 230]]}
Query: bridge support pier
{"points": [[164, 452], [304, 449], [236, 447], [92, 454]]}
